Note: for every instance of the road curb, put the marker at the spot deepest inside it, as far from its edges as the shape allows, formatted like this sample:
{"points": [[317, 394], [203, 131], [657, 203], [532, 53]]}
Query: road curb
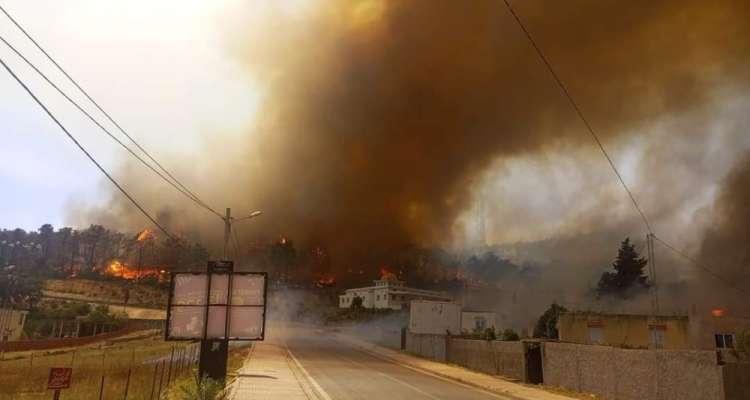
{"points": [[372, 349]]}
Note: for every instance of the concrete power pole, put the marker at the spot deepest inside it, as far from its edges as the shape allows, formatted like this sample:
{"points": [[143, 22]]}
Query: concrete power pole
{"points": [[652, 272], [227, 231], [228, 219]]}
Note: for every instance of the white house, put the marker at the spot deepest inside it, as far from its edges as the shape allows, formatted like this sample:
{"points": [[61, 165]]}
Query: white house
{"points": [[388, 293], [11, 324]]}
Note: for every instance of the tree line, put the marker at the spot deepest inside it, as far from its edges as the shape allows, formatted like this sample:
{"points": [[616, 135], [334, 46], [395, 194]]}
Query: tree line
{"points": [[26, 257]]}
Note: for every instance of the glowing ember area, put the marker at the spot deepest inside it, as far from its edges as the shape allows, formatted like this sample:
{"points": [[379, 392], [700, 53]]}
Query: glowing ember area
{"points": [[387, 275], [325, 281], [120, 270], [145, 235], [718, 312]]}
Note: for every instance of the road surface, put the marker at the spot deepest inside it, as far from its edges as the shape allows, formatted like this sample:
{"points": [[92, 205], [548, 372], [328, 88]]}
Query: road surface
{"points": [[344, 372]]}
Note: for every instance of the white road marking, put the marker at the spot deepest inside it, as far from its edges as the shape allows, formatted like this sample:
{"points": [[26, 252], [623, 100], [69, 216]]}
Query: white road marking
{"points": [[322, 393], [410, 386], [436, 376], [367, 367]]}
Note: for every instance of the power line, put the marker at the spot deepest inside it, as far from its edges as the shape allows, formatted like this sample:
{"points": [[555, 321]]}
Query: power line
{"points": [[90, 157], [580, 114], [104, 129], [106, 114], [591, 131], [701, 265]]}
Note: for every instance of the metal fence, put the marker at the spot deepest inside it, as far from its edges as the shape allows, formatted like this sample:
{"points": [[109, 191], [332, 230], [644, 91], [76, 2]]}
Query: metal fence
{"points": [[140, 370]]}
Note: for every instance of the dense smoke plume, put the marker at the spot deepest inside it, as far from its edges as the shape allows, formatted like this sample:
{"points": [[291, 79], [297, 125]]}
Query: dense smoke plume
{"points": [[379, 118], [725, 244]]}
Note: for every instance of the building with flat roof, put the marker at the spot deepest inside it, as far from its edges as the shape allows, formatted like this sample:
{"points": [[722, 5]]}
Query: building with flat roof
{"points": [[698, 331], [388, 293], [11, 324], [624, 330]]}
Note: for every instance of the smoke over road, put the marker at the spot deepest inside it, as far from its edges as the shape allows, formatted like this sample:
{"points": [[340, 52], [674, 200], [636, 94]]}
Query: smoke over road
{"points": [[380, 120]]}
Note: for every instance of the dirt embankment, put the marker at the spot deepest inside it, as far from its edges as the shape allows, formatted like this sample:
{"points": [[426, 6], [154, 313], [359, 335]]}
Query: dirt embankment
{"points": [[139, 295]]}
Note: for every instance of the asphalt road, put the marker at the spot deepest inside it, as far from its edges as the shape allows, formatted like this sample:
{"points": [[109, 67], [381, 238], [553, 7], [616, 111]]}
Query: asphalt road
{"points": [[345, 372]]}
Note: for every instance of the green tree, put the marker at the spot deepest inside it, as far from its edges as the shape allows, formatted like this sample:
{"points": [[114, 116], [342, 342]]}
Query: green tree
{"points": [[357, 303], [628, 276], [546, 326], [46, 233], [19, 289]]}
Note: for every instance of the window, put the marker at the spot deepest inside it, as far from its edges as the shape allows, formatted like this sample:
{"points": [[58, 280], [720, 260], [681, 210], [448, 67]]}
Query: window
{"points": [[656, 336], [480, 323], [724, 340], [378, 297], [596, 335]]}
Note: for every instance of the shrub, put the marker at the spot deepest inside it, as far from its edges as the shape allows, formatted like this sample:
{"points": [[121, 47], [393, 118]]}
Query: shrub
{"points": [[203, 389], [510, 335]]}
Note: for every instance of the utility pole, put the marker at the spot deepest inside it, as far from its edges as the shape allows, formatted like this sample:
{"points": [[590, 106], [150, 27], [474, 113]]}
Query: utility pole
{"points": [[214, 352], [227, 230], [652, 272]]}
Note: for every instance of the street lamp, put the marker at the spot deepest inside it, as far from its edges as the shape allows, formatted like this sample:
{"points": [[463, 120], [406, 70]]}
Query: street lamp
{"points": [[252, 215], [228, 219]]}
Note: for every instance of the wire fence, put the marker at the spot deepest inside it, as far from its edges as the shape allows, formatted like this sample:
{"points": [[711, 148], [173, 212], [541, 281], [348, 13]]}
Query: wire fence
{"points": [[141, 369]]}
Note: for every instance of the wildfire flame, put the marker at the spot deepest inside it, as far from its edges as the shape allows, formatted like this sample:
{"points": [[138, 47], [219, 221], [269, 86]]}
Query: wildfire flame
{"points": [[119, 269], [144, 235], [387, 275], [325, 281]]}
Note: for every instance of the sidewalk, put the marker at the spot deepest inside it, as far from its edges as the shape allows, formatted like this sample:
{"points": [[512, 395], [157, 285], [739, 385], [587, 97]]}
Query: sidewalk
{"points": [[456, 373], [269, 374]]}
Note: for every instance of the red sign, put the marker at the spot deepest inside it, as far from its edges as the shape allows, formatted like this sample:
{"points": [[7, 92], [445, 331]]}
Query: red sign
{"points": [[59, 378]]}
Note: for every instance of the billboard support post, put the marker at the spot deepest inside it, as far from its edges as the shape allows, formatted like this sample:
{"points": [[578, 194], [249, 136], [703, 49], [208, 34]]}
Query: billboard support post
{"points": [[214, 307], [215, 352]]}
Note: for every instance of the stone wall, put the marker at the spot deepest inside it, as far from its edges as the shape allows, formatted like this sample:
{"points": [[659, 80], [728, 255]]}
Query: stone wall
{"points": [[491, 357], [624, 374], [427, 345], [737, 381]]}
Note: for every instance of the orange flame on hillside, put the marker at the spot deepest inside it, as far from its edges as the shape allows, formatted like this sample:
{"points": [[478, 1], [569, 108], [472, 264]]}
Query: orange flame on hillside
{"points": [[325, 281], [387, 275], [144, 235], [119, 269]]}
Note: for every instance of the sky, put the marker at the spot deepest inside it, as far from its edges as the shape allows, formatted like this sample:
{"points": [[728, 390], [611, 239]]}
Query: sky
{"points": [[172, 74], [160, 68]]}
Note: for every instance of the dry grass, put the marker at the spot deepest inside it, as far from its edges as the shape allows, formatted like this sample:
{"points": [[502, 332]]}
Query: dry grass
{"points": [[237, 356], [23, 375]]}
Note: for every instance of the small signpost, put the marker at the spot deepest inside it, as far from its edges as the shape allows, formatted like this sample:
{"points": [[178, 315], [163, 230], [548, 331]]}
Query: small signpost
{"points": [[59, 378], [215, 307]]}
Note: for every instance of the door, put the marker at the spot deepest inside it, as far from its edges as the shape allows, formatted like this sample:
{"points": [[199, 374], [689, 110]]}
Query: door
{"points": [[533, 355]]}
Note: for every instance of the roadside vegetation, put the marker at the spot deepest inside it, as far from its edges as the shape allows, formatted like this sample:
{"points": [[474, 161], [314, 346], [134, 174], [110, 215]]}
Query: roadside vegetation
{"points": [[52, 319], [23, 375], [189, 387]]}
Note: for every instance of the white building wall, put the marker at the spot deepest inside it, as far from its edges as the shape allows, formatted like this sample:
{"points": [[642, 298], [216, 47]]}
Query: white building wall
{"points": [[385, 294], [434, 317], [471, 319]]}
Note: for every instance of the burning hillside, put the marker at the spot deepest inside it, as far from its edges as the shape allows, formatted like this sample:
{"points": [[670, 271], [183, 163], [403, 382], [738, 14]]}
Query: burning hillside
{"points": [[118, 269], [378, 125]]}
